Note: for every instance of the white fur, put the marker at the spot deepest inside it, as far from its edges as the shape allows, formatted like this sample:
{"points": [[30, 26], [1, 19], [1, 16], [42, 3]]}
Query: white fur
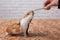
{"points": [[24, 22], [14, 31]]}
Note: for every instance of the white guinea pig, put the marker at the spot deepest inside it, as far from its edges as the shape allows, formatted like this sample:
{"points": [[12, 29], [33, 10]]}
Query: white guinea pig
{"points": [[25, 21]]}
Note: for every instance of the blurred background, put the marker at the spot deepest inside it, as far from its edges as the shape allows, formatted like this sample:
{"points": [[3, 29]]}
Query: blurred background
{"points": [[16, 8]]}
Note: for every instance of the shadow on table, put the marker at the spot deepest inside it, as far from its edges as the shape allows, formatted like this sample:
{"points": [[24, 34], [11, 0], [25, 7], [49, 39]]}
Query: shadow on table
{"points": [[31, 34]]}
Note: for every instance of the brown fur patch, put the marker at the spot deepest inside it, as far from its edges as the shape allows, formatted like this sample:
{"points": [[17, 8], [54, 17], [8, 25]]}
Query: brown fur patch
{"points": [[11, 27]]}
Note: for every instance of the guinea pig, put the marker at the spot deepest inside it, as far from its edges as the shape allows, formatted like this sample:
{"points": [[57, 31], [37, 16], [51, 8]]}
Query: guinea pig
{"points": [[13, 29], [25, 21]]}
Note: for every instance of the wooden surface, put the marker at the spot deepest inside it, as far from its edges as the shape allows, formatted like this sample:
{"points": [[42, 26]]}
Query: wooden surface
{"points": [[40, 29]]}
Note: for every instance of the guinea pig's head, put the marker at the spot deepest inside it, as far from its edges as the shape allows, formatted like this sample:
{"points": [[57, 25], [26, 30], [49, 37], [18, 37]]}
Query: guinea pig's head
{"points": [[28, 13], [13, 29]]}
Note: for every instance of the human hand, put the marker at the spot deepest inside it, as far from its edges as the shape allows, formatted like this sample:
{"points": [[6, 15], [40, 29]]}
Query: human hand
{"points": [[49, 3]]}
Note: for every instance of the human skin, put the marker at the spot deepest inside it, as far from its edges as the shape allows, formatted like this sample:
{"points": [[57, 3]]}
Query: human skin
{"points": [[49, 3]]}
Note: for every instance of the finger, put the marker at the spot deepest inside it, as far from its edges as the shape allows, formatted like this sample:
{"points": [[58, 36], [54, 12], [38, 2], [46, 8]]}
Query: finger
{"points": [[46, 3], [49, 6]]}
